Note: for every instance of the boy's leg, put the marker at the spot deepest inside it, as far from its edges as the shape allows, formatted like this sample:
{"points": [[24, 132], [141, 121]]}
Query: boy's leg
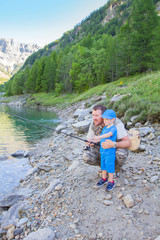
{"points": [[104, 174], [104, 179], [110, 179]]}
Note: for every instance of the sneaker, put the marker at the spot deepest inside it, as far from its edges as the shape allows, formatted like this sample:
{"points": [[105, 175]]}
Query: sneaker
{"points": [[102, 182], [110, 186]]}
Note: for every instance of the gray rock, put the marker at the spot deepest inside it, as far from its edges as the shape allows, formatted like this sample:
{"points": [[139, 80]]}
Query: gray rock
{"points": [[18, 154], [81, 127], [52, 186], [118, 97], [144, 131], [142, 148], [128, 201], [18, 231], [41, 234], [45, 167], [21, 222], [154, 179], [12, 216], [31, 171], [107, 202], [81, 113], [60, 127], [134, 117], [15, 196]]}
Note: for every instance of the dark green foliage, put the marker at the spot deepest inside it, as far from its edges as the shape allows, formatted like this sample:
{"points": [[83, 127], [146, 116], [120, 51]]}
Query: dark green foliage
{"points": [[95, 52]]}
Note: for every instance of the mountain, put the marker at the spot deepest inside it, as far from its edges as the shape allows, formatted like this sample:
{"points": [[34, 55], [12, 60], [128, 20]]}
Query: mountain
{"points": [[13, 55]]}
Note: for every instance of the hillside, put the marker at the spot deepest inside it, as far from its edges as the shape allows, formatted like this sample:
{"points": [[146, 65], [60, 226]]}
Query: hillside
{"points": [[120, 39]]}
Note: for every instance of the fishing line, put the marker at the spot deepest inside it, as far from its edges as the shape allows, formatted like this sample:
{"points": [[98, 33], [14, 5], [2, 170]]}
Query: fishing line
{"points": [[41, 125]]}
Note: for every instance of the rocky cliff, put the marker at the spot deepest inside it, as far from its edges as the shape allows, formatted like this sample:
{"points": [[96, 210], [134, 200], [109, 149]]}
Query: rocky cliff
{"points": [[13, 55]]}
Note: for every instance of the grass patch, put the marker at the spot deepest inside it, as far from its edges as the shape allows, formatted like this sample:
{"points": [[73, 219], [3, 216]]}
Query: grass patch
{"points": [[141, 97]]}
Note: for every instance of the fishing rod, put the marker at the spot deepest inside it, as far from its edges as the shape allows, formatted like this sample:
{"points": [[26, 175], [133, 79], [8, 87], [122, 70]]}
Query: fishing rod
{"points": [[41, 125]]}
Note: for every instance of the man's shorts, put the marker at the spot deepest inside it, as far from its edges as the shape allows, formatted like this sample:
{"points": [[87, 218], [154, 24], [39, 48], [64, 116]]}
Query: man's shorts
{"points": [[92, 157]]}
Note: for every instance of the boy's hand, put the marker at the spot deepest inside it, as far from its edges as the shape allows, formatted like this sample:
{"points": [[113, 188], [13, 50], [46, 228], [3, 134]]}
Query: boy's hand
{"points": [[96, 139], [89, 143]]}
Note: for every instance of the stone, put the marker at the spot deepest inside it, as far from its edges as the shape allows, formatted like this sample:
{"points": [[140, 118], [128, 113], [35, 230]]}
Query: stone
{"points": [[108, 197], [10, 233], [12, 215], [41, 234], [18, 231], [128, 201], [45, 167], [51, 187], [31, 171], [81, 127], [107, 202], [60, 127], [18, 154], [144, 131], [81, 113], [15, 196], [154, 179], [73, 166], [151, 137], [119, 195], [21, 222], [58, 187]]}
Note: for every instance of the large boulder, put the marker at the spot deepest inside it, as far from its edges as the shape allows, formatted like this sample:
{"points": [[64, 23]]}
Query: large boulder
{"points": [[15, 196], [81, 127]]}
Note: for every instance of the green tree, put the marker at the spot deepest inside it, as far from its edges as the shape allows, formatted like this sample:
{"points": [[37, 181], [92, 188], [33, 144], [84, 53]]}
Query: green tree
{"points": [[30, 84], [143, 21]]}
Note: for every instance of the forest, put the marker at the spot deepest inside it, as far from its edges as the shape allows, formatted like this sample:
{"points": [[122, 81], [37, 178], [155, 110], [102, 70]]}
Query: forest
{"points": [[95, 52]]}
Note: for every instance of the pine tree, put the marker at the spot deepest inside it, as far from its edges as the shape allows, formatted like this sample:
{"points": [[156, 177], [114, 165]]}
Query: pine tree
{"points": [[143, 20]]}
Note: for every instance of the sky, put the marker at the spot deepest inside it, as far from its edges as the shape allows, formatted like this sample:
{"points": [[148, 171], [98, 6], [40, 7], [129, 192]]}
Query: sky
{"points": [[42, 21]]}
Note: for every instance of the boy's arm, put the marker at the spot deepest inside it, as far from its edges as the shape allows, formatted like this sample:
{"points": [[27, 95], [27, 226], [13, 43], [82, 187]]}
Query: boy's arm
{"points": [[98, 138]]}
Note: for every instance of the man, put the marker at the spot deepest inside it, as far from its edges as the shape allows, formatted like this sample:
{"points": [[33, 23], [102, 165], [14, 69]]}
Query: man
{"points": [[92, 155]]}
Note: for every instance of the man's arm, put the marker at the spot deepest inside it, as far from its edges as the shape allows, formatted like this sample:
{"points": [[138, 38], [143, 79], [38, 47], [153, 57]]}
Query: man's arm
{"points": [[125, 142]]}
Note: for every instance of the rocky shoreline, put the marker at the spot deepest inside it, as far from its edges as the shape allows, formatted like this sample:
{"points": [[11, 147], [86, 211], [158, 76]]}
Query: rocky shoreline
{"points": [[58, 199]]}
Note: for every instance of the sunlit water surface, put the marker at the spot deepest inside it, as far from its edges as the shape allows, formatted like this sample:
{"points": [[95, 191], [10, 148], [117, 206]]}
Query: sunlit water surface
{"points": [[17, 134]]}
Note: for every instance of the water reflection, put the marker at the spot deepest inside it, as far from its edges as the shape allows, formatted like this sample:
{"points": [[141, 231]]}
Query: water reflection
{"points": [[16, 134]]}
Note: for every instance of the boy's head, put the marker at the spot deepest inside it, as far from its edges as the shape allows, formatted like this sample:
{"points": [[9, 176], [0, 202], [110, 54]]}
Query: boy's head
{"points": [[109, 117]]}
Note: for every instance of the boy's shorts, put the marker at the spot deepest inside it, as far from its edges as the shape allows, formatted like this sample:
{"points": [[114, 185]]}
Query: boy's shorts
{"points": [[108, 162]]}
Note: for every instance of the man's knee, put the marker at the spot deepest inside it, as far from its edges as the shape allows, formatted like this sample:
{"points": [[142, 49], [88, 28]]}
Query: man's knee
{"points": [[121, 156], [91, 156]]}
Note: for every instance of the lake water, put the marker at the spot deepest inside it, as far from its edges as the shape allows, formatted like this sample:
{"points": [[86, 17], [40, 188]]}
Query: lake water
{"points": [[17, 134]]}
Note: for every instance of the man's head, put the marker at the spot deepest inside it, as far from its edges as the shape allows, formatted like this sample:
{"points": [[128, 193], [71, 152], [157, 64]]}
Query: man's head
{"points": [[97, 112]]}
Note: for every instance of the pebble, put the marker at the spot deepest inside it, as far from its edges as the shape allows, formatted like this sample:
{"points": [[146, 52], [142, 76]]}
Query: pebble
{"points": [[108, 203]]}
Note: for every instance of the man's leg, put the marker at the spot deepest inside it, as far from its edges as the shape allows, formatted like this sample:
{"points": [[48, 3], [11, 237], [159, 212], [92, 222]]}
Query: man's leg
{"points": [[91, 156], [121, 156]]}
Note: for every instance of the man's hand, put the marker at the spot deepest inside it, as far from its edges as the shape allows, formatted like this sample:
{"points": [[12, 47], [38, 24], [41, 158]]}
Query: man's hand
{"points": [[108, 144]]}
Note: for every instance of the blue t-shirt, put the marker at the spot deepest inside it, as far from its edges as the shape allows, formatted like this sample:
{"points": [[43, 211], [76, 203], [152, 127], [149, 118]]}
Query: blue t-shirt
{"points": [[105, 130]]}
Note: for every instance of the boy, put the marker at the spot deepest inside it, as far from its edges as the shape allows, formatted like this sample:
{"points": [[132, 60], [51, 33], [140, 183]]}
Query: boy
{"points": [[107, 155]]}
